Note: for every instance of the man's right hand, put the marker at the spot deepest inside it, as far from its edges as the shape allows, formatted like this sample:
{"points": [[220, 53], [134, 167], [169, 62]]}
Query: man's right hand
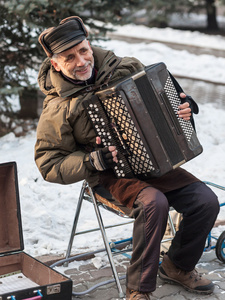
{"points": [[111, 149], [103, 158]]}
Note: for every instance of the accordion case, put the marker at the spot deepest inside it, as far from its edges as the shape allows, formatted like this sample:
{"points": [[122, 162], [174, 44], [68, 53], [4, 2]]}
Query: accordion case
{"points": [[139, 116], [22, 277]]}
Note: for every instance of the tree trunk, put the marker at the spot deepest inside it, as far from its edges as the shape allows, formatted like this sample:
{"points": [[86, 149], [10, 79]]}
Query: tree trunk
{"points": [[211, 15]]}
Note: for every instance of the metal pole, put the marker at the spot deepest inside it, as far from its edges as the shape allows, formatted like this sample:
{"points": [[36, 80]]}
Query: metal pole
{"points": [[108, 250], [76, 218]]}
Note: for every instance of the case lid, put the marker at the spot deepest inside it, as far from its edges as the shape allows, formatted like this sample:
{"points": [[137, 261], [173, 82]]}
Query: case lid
{"points": [[11, 236]]}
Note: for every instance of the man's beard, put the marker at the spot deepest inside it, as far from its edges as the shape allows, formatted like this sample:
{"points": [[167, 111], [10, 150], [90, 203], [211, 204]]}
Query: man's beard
{"points": [[75, 74]]}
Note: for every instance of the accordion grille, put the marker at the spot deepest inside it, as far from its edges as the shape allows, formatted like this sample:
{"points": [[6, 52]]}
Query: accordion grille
{"points": [[138, 157]]}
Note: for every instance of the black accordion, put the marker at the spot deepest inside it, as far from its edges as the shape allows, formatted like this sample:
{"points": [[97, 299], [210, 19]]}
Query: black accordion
{"points": [[139, 116]]}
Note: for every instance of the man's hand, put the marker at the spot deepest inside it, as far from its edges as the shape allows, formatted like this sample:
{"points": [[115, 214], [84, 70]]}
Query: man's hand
{"points": [[184, 111], [111, 149], [103, 158]]}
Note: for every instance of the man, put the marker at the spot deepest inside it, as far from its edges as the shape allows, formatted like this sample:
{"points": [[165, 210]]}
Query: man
{"points": [[67, 150]]}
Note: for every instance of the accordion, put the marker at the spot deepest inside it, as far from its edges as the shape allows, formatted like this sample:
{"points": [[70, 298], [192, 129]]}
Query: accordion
{"points": [[139, 116]]}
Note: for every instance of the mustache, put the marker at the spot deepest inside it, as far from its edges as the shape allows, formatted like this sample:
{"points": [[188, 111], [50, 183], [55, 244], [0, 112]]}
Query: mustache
{"points": [[83, 67]]}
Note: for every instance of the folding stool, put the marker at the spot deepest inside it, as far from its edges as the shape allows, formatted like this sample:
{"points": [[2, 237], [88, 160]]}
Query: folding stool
{"points": [[87, 193]]}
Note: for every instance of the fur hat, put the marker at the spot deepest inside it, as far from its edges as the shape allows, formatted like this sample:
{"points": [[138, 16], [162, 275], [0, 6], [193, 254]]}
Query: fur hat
{"points": [[70, 32]]}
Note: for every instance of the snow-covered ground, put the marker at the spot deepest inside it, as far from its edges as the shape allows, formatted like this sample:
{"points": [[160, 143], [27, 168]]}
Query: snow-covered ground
{"points": [[183, 63], [184, 37], [48, 209]]}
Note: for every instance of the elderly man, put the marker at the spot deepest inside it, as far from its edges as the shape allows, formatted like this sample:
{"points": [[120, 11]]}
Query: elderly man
{"points": [[67, 150]]}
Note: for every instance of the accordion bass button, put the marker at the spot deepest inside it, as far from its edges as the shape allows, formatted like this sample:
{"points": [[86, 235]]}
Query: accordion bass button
{"points": [[124, 136]]}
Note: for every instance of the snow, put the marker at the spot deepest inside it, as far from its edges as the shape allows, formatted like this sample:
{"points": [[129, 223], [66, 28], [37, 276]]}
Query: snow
{"points": [[184, 37], [48, 209], [205, 66]]}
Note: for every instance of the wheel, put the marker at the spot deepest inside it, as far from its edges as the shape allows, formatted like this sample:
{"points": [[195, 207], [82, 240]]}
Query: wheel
{"points": [[220, 247]]}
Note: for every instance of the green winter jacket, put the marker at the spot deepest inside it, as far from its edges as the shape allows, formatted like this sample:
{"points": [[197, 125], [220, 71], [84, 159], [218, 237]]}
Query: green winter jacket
{"points": [[64, 134]]}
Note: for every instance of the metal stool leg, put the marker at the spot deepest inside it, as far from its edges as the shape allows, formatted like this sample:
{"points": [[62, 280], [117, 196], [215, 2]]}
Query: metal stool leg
{"points": [[108, 249], [171, 224], [76, 218]]}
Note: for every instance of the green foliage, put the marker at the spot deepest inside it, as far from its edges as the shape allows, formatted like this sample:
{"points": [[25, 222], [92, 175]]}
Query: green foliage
{"points": [[18, 53], [21, 22]]}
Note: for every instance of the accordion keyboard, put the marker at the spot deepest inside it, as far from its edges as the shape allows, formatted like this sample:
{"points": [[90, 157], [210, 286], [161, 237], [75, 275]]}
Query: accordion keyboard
{"points": [[175, 102]]}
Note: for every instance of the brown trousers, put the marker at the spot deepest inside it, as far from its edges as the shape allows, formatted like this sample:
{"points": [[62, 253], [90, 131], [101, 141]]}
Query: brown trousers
{"points": [[199, 207]]}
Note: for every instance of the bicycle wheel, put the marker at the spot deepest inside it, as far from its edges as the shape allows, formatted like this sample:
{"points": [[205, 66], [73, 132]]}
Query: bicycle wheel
{"points": [[220, 247]]}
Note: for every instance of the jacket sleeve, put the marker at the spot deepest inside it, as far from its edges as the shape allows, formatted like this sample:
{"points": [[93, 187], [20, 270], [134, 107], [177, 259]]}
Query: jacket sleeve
{"points": [[57, 154]]}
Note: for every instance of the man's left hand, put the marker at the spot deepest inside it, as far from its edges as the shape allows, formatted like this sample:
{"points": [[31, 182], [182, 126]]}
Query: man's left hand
{"points": [[184, 111]]}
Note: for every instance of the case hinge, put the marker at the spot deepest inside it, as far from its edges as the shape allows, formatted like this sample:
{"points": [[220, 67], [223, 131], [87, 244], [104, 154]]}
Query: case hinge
{"points": [[53, 289]]}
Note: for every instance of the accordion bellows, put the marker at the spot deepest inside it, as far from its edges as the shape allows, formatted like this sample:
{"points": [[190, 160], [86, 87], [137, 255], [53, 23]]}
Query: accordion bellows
{"points": [[139, 116]]}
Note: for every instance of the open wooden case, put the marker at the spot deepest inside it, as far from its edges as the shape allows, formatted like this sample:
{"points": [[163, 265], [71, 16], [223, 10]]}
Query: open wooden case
{"points": [[22, 277]]}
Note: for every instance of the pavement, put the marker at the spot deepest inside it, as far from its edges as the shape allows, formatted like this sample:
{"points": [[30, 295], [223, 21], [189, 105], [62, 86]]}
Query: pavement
{"points": [[96, 269], [88, 274]]}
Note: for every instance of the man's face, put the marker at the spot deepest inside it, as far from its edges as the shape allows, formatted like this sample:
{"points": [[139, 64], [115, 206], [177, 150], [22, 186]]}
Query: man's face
{"points": [[77, 62]]}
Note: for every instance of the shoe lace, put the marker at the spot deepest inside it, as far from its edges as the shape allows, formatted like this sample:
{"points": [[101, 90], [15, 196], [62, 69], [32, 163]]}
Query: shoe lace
{"points": [[193, 274]]}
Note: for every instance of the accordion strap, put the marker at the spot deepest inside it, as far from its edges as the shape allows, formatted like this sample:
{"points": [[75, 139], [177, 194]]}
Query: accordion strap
{"points": [[176, 84], [94, 88]]}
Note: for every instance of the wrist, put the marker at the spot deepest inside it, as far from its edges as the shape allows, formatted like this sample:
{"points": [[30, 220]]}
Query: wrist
{"points": [[88, 162]]}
